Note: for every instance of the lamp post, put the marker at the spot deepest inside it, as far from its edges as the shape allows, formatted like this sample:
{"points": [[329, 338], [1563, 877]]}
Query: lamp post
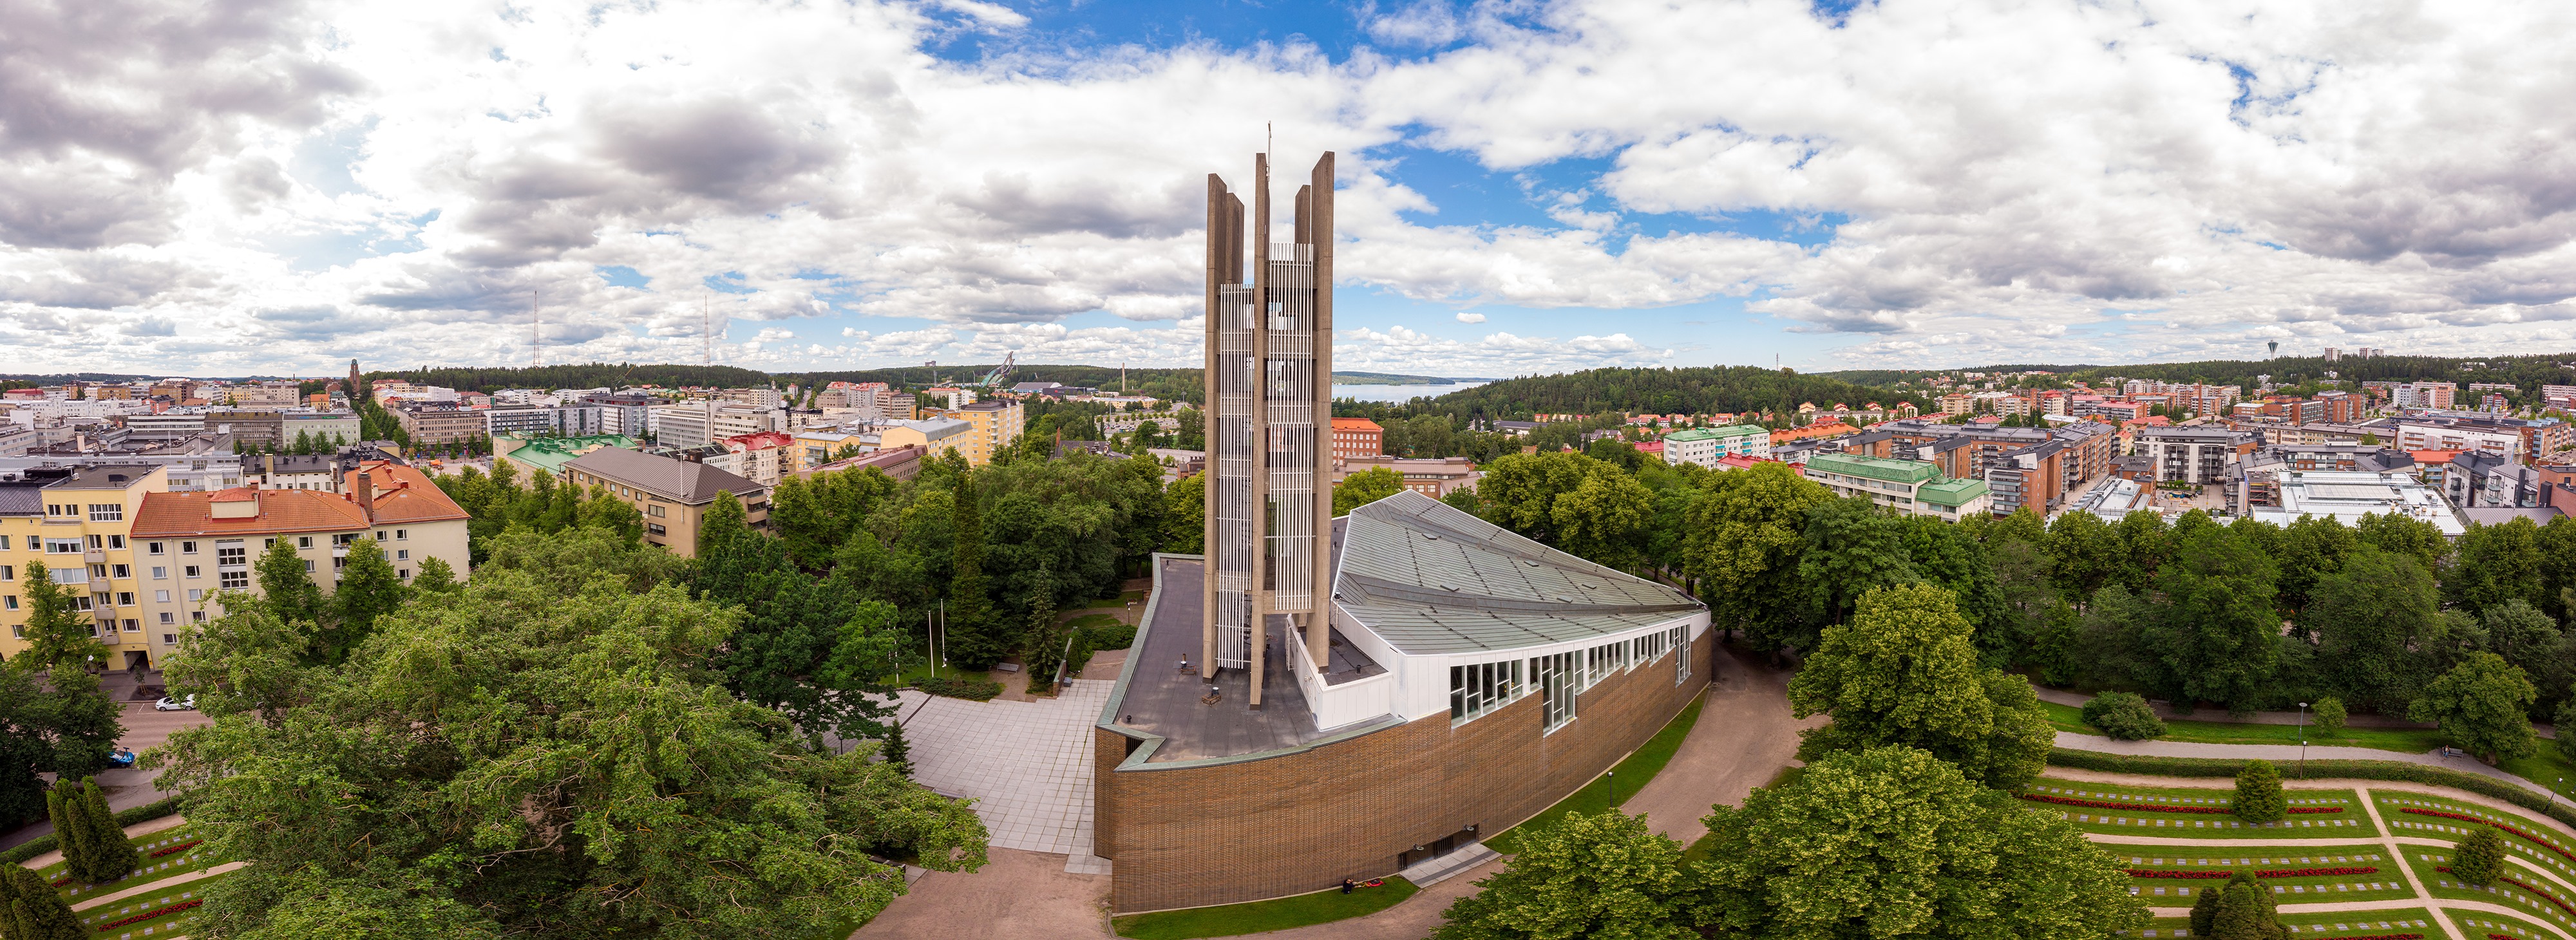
{"points": [[1612, 777], [2553, 795], [2303, 740]]}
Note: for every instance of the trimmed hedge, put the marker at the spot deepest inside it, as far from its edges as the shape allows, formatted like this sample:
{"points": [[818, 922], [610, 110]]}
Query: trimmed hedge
{"points": [[2398, 771], [980, 690], [166, 806]]}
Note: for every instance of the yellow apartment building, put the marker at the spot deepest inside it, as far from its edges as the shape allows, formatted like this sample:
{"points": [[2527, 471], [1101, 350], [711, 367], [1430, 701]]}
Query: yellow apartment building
{"points": [[78, 524], [993, 425]]}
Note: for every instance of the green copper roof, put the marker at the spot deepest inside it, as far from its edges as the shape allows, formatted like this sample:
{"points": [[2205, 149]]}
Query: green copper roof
{"points": [[1693, 434], [1875, 468], [1739, 430], [1951, 493], [552, 453]]}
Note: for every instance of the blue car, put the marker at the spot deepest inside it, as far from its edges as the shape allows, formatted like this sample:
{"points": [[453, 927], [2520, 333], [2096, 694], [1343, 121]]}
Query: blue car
{"points": [[120, 758]]}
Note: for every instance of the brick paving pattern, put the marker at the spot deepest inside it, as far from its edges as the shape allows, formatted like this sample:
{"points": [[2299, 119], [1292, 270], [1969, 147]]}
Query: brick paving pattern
{"points": [[1027, 764]]}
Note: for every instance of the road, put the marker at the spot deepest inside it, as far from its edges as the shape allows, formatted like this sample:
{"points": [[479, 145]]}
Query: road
{"points": [[126, 789]]}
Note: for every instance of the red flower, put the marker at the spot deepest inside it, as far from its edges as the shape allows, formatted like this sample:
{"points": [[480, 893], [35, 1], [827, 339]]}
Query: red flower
{"points": [[2157, 807], [148, 915], [2544, 895], [2464, 817], [181, 847], [2268, 873]]}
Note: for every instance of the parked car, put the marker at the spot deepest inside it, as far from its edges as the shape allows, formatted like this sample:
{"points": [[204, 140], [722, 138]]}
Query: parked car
{"points": [[188, 704]]}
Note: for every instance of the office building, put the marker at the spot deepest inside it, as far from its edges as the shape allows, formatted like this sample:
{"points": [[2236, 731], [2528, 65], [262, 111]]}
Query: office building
{"points": [[1357, 437]]}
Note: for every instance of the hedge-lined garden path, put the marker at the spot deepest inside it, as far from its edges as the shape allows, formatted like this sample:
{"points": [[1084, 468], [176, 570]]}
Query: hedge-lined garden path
{"points": [[136, 831], [2286, 755], [164, 884]]}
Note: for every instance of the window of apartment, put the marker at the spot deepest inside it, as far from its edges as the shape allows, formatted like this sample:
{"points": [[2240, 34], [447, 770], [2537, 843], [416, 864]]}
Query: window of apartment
{"points": [[380, 535], [116, 541], [86, 602], [399, 535], [655, 528], [231, 552], [98, 572], [656, 512], [8, 572], [161, 597], [53, 509], [124, 598], [196, 594], [402, 554], [133, 626], [336, 565], [196, 616], [98, 541], [1483, 687], [194, 571], [160, 572], [62, 546], [4, 543], [149, 548], [403, 573], [304, 541], [120, 571], [343, 539], [187, 548], [234, 580], [169, 639], [9, 602], [308, 566]]}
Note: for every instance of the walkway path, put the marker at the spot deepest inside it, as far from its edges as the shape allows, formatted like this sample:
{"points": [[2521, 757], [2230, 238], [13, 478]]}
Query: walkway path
{"points": [[1743, 738], [1027, 764], [2168, 713], [2284, 754]]}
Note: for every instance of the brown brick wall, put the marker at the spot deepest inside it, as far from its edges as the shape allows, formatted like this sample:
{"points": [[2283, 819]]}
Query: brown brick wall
{"points": [[1302, 822]]}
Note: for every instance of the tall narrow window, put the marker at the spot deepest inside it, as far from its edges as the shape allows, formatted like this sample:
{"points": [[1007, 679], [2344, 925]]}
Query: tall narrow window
{"points": [[1682, 663]]}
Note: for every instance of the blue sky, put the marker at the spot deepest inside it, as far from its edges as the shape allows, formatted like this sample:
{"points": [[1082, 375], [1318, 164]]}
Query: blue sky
{"points": [[1524, 185]]}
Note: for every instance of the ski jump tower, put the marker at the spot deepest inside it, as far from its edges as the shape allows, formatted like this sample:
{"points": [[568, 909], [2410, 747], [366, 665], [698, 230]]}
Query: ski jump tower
{"points": [[1269, 368]]}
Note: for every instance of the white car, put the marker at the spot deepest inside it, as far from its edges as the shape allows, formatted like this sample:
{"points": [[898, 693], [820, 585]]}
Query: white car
{"points": [[188, 704]]}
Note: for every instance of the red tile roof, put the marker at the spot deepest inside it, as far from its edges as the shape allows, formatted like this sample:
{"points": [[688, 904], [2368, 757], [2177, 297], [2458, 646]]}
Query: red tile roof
{"points": [[1355, 424], [404, 494], [182, 514]]}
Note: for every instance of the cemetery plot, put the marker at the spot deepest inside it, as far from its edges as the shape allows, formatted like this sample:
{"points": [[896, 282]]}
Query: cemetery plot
{"points": [[2196, 813], [2431, 817], [2413, 922], [2171, 876], [2519, 887], [173, 851], [150, 916], [2480, 924]]}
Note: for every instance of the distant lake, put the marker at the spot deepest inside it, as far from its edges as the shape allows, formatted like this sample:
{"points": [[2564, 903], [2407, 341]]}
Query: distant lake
{"points": [[1397, 393]]}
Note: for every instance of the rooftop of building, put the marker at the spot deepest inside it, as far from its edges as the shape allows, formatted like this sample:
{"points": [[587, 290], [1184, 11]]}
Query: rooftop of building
{"points": [[1429, 579], [1355, 424], [167, 515], [2347, 495], [1951, 493], [1875, 468], [683, 480]]}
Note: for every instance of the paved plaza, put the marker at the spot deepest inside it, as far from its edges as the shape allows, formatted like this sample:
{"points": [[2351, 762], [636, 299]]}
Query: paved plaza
{"points": [[1027, 764]]}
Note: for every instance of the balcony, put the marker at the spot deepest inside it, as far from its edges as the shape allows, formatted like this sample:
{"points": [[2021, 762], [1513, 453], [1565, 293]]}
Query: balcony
{"points": [[94, 556]]}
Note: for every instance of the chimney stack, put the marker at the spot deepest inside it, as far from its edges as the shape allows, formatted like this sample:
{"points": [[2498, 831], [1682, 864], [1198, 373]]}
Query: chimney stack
{"points": [[367, 495]]}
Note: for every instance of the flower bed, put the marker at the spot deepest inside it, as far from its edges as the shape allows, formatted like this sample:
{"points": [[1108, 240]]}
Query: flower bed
{"points": [[2273, 873], [64, 880], [2394, 936], [148, 915], [181, 847], [2543, 895], [2464, 817], [2316, 809]]}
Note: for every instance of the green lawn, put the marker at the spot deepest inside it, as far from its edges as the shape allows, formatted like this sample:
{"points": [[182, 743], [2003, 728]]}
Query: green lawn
{"points": [[2386, 884], [918, 673], [1630, 775], [2410, 920], [2427, 865], [2481, 923], [145, 903], [2393, 805], [154, 869], [2129, 820], [1258, 916], [1119, 601], [1092, 620], [2412, 741]]}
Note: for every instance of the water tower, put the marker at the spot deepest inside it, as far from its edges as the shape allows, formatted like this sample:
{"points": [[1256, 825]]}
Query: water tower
{"points": [[2274, 347]]}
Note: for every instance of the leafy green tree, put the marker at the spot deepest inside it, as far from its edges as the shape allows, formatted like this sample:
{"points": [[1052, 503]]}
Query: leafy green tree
{"points": [[1618, 452], [2218, 633], [2480, 857], [2145, 543], [1185, 515], [2328, 716], [2245, 912], [1603, 875], [369, 588], [1572, 502], [79, 719], [2308, 550], [540, 755], [2526, 637], [2204, 910], [56, 633], [1904, 672], [2482, 705], [976, 637], [2258, 793], [1365, 487], [32, 909], [2123, 716], [1894, 842], [1950, 556], [2375, 617], [2405, 535], [2495, 564], [1851, 548], [434, 577], [1743, 547], [815, 516], [285, 586], [115, 858], [2084, 553]]}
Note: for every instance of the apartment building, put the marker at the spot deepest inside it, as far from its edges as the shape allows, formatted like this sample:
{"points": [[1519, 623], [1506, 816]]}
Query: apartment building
{"points": [[290, 472], [1357, 437], [194, 547], [993, 425], [77, 522], [672, 494], [575, 420], [697, 424], [1707, 446], [2194, 454], [1910, 487], [933, 435], [436, 426], [764, 457], [1432, 477]]}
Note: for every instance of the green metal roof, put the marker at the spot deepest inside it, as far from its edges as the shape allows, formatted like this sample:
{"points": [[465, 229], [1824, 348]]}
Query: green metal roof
{"points": [[1875, 468], [1693, 434], [1740, 430], [1430, 579], [552, 453], [1951, 493]]}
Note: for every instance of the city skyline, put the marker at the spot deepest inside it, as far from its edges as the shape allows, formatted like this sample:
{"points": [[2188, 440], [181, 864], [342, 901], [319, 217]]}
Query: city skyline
{"points": [[1526, 188]]}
